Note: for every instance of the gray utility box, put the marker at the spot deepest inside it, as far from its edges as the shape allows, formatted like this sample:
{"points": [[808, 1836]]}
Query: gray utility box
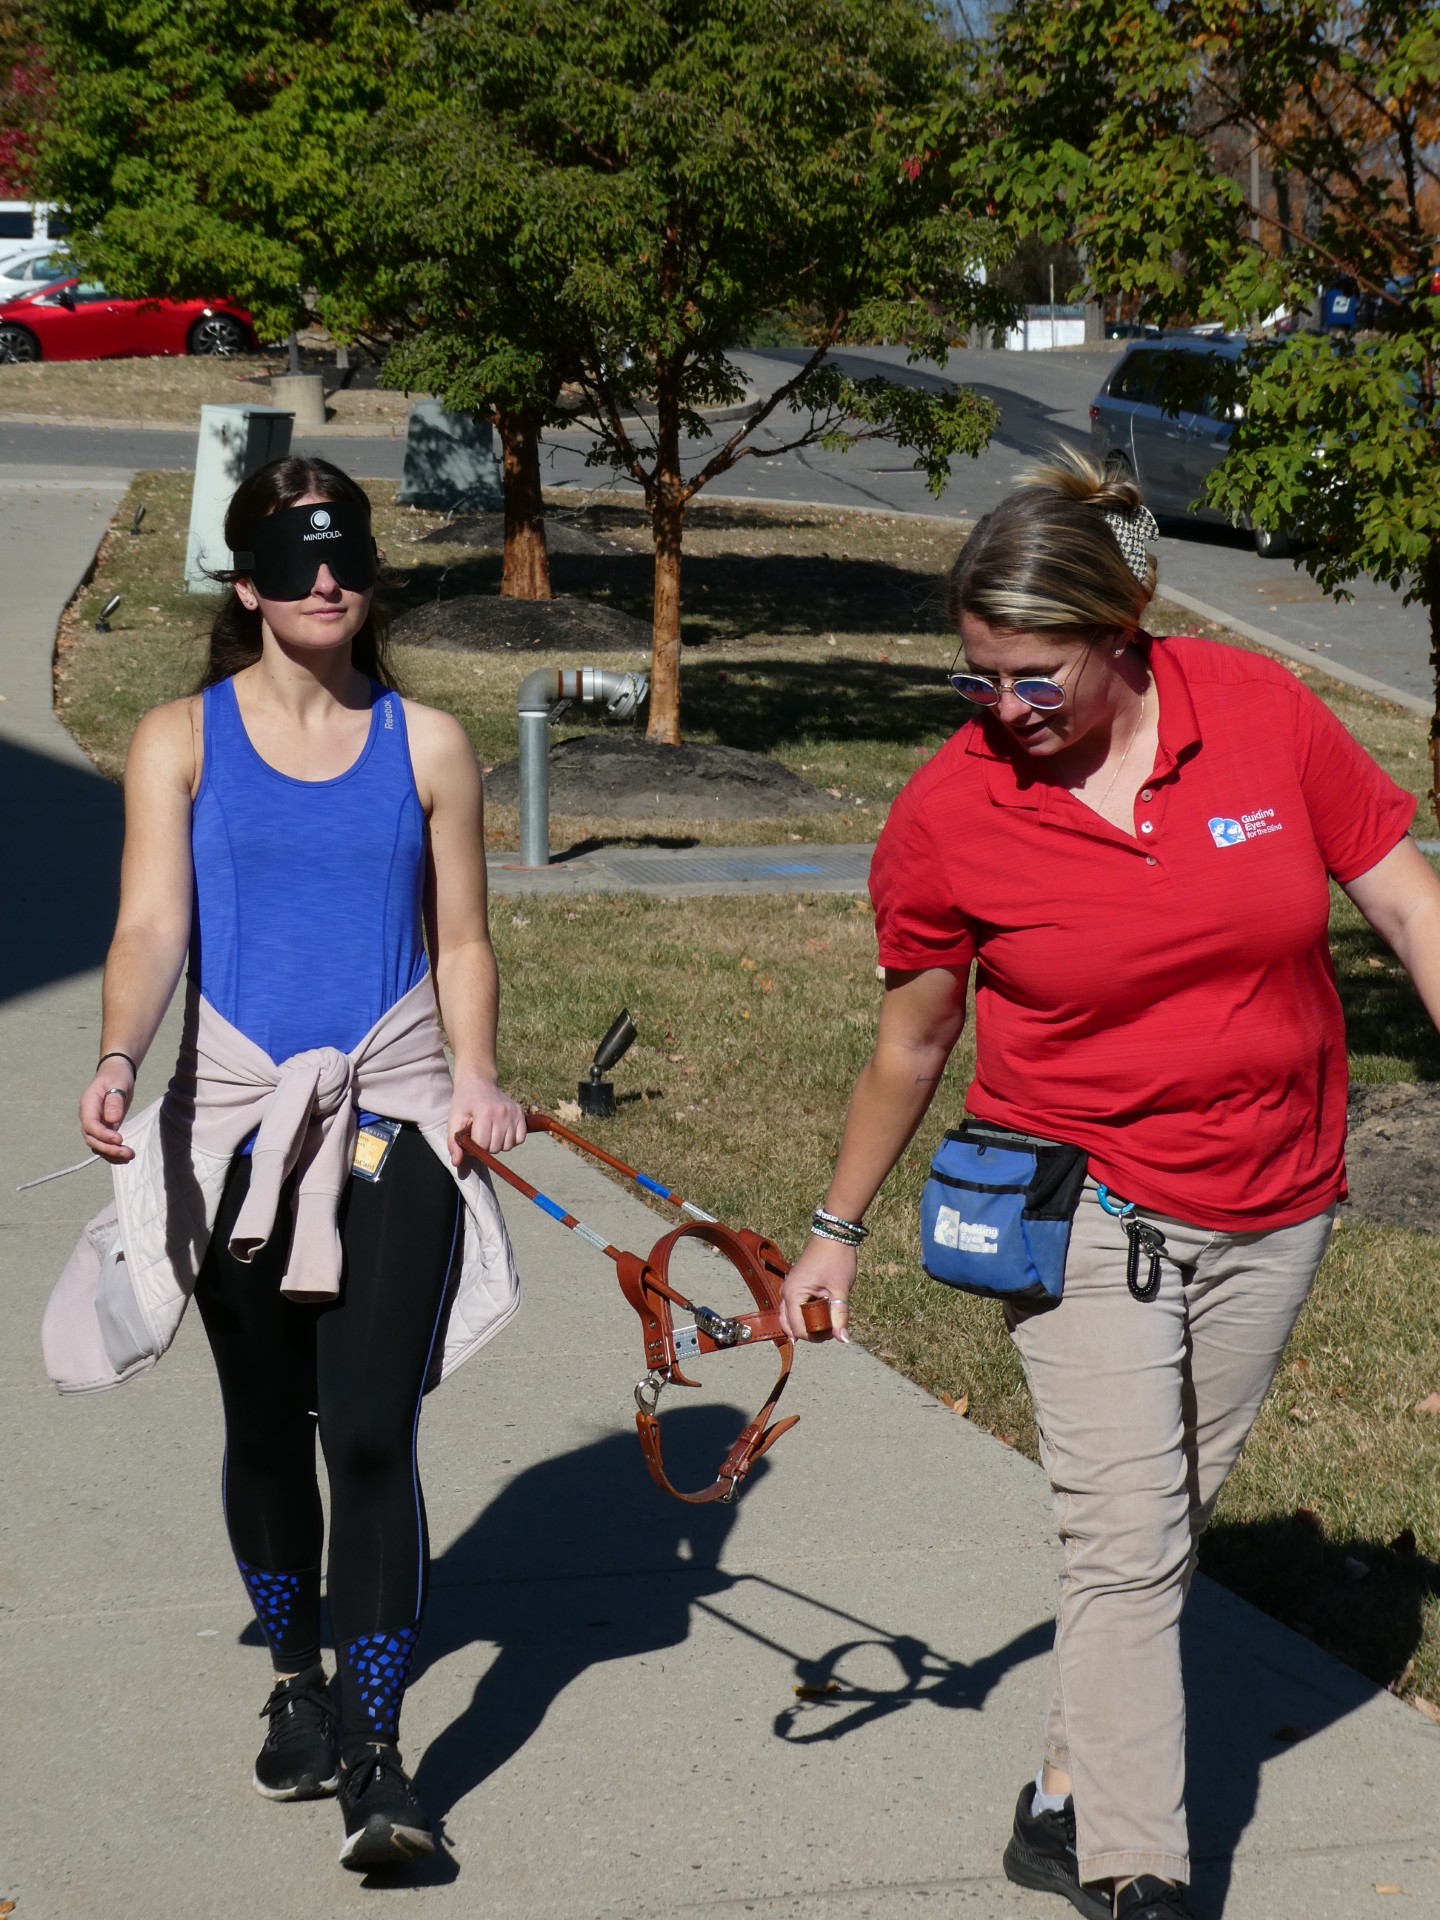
{"points": [[450, 462], [234, 443]]}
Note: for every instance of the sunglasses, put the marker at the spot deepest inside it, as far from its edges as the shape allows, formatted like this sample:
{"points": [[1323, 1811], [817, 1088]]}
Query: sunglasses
{"points": [[1041, 691]]}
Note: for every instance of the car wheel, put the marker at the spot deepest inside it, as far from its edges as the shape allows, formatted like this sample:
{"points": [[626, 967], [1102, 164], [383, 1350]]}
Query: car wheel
{"points": [[1273, 546], [17, 343], [218, 333]]}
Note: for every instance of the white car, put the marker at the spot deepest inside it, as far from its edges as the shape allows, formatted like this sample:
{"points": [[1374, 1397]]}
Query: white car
{"points": [[34, 267], [25, 225]]}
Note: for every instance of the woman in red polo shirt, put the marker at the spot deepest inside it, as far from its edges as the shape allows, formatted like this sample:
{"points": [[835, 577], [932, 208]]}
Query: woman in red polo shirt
{"points": [[1132, 844]]}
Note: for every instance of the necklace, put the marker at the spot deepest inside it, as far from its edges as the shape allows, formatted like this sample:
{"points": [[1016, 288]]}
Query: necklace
{"points": [[1120, 764]]}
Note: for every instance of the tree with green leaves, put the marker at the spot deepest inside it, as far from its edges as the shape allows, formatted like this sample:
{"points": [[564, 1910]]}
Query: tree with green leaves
{"points": [[1222, 161], [605, 195], [205, 149]]}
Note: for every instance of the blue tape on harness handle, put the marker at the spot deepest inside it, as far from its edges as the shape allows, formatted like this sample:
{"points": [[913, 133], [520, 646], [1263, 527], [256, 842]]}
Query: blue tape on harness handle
{"points": [[652, 1186], [547, 1205]]}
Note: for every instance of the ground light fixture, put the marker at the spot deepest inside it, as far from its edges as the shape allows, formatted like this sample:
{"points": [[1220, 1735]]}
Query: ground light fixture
{"points": [[597, 1095], [102, 625]]}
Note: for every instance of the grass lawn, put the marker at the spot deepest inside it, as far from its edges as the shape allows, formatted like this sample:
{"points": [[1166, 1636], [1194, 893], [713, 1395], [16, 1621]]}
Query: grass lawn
{"points": [[815, 636]]}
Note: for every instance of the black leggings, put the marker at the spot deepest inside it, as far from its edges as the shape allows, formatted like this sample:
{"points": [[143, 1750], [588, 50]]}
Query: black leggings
{"points": [[360, 1366]]}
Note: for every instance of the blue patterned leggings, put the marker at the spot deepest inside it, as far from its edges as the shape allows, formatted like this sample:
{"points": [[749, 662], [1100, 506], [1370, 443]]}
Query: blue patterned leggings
{"points": [[358, 1368]]}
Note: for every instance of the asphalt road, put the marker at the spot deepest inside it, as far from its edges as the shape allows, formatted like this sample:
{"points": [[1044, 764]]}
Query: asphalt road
{"points": [[1043, 400]]}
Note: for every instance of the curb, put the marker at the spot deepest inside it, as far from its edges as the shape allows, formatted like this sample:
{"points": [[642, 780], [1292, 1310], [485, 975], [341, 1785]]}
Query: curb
{"points": [[332, 430]]}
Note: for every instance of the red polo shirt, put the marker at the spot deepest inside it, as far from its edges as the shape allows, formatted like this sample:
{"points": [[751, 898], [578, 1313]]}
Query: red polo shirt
{"points": [[1164, 1000]]}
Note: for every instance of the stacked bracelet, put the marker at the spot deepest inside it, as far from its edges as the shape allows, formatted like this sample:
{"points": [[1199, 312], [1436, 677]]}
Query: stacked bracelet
{"points": [[830, 1226]]}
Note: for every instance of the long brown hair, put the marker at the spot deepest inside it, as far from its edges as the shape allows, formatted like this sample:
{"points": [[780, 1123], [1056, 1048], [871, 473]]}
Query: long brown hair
{"points": [[235, 635]]}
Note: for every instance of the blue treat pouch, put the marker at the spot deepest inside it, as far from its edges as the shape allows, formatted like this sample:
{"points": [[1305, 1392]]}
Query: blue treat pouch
{"points": [[996, 1211]]}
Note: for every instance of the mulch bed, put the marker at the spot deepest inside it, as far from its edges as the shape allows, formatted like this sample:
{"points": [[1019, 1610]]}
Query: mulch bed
{"points": [[626, 777]]}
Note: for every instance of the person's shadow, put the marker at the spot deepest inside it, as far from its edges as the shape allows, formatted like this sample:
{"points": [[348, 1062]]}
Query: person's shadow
{"points": [[581, 1559]]}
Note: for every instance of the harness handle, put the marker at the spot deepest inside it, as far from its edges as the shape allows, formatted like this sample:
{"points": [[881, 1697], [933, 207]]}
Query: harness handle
{"points": [[645, 1282]]}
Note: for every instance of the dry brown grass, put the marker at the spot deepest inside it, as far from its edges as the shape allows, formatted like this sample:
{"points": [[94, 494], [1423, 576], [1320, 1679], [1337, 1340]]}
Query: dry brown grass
{"points": [[170, 392]]}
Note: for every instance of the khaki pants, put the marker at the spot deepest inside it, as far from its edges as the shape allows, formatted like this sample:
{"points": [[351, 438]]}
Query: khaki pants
{"points": [[1143, 1407]]}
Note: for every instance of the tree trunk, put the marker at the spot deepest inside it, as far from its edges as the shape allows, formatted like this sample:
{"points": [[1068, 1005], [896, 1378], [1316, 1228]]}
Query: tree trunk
{"points": [[527, 561], [668, 522]]}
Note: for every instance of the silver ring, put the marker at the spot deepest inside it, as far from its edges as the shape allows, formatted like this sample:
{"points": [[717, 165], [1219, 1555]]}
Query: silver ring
{"points": [[122, 1091]]}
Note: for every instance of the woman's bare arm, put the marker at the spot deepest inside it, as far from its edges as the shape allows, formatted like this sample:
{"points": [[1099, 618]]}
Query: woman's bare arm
{"points": [[466, 978], [1400, 897], [920, 1020], [152, 930]]}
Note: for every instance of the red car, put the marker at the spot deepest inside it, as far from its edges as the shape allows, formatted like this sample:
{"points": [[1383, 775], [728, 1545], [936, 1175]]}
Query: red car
{"points": [[79, 320]]}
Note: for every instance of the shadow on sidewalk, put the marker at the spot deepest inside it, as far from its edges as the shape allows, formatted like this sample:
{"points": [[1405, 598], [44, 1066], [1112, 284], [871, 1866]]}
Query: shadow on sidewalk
{"points": [[581, 1560], [63, 828]]}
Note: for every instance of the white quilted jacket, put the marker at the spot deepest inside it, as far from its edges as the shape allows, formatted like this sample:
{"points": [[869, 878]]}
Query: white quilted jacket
{"points": [[117, 1305]]}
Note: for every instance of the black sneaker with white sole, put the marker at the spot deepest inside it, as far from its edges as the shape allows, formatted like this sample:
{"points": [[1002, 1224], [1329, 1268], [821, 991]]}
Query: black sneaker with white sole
{"points": [[1042, 1855], [385, 1824], [298, 1760]]}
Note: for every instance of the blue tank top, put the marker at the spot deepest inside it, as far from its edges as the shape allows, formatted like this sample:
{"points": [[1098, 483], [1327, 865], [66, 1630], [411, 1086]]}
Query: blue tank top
{"points": [[308, 917]]}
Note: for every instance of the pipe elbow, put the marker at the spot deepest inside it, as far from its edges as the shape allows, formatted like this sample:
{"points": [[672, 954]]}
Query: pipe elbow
{"points": [[538, 691]]}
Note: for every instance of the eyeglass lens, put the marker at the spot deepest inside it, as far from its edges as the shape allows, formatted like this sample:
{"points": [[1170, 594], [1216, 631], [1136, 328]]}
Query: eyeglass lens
{"points": [[1044, 695]]}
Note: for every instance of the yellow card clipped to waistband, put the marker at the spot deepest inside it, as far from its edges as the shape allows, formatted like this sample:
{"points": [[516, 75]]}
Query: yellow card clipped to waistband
{"points": [[372, 1148]]}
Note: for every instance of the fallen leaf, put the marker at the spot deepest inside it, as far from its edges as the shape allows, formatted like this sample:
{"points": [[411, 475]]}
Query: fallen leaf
{"points": [[1006, 1439], [765, 983], [747, 965], [1388, 1886], [672, 1057], [1430, 1404], [745, 1013], [835, 793], [892, 1267], [1300, 1364], [568, 1111], [1373, 960], [6, 1906], [1288, 1735], [519, 920], [830, 1688], [1427, 1707], [961, 1405]]}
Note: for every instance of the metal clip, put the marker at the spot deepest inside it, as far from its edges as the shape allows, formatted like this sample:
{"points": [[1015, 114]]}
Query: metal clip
{"points": [[725, 1333], [648, 1390]]}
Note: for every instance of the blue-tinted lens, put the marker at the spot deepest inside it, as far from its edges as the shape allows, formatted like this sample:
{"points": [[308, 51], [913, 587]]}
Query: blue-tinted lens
{"points": [[974, 686]]}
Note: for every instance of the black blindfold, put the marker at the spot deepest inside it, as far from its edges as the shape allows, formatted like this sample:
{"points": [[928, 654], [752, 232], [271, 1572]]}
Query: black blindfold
{"points": [[288, 549]]}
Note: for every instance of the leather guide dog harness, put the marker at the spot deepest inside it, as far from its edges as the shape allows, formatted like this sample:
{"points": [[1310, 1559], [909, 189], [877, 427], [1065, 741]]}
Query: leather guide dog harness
{"points": [[645, 1282]]}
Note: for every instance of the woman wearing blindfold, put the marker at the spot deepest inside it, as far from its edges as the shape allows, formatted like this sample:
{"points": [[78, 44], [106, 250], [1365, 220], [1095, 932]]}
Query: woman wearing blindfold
{"points": [[313, 841], [1130, 841]]}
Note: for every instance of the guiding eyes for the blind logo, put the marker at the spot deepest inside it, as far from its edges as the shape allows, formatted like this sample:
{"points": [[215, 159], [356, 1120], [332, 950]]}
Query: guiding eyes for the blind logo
{"points": [[1250, 826]]}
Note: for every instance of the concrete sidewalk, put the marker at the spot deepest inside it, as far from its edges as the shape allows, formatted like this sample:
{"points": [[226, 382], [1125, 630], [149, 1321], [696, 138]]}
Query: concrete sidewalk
{"points": [[605, 1706]]}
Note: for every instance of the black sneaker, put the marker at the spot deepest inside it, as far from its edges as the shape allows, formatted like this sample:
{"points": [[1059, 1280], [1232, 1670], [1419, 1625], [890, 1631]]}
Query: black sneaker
{"points": [[1042, 1855], [298, 1760], [1149, 1898], [385, 1825]]}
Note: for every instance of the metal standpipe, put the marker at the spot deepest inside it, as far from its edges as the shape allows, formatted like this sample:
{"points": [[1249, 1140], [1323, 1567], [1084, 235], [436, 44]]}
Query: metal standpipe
{"points": [[544, 695]]}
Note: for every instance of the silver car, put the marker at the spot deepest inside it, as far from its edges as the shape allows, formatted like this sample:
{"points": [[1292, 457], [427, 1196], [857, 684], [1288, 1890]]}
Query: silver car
{"points": [[1171, 452]]}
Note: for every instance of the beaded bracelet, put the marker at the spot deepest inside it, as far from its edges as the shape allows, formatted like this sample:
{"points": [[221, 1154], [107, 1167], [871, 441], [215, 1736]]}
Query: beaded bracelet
{"points": [[824, 1233], [830, 1226]]}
